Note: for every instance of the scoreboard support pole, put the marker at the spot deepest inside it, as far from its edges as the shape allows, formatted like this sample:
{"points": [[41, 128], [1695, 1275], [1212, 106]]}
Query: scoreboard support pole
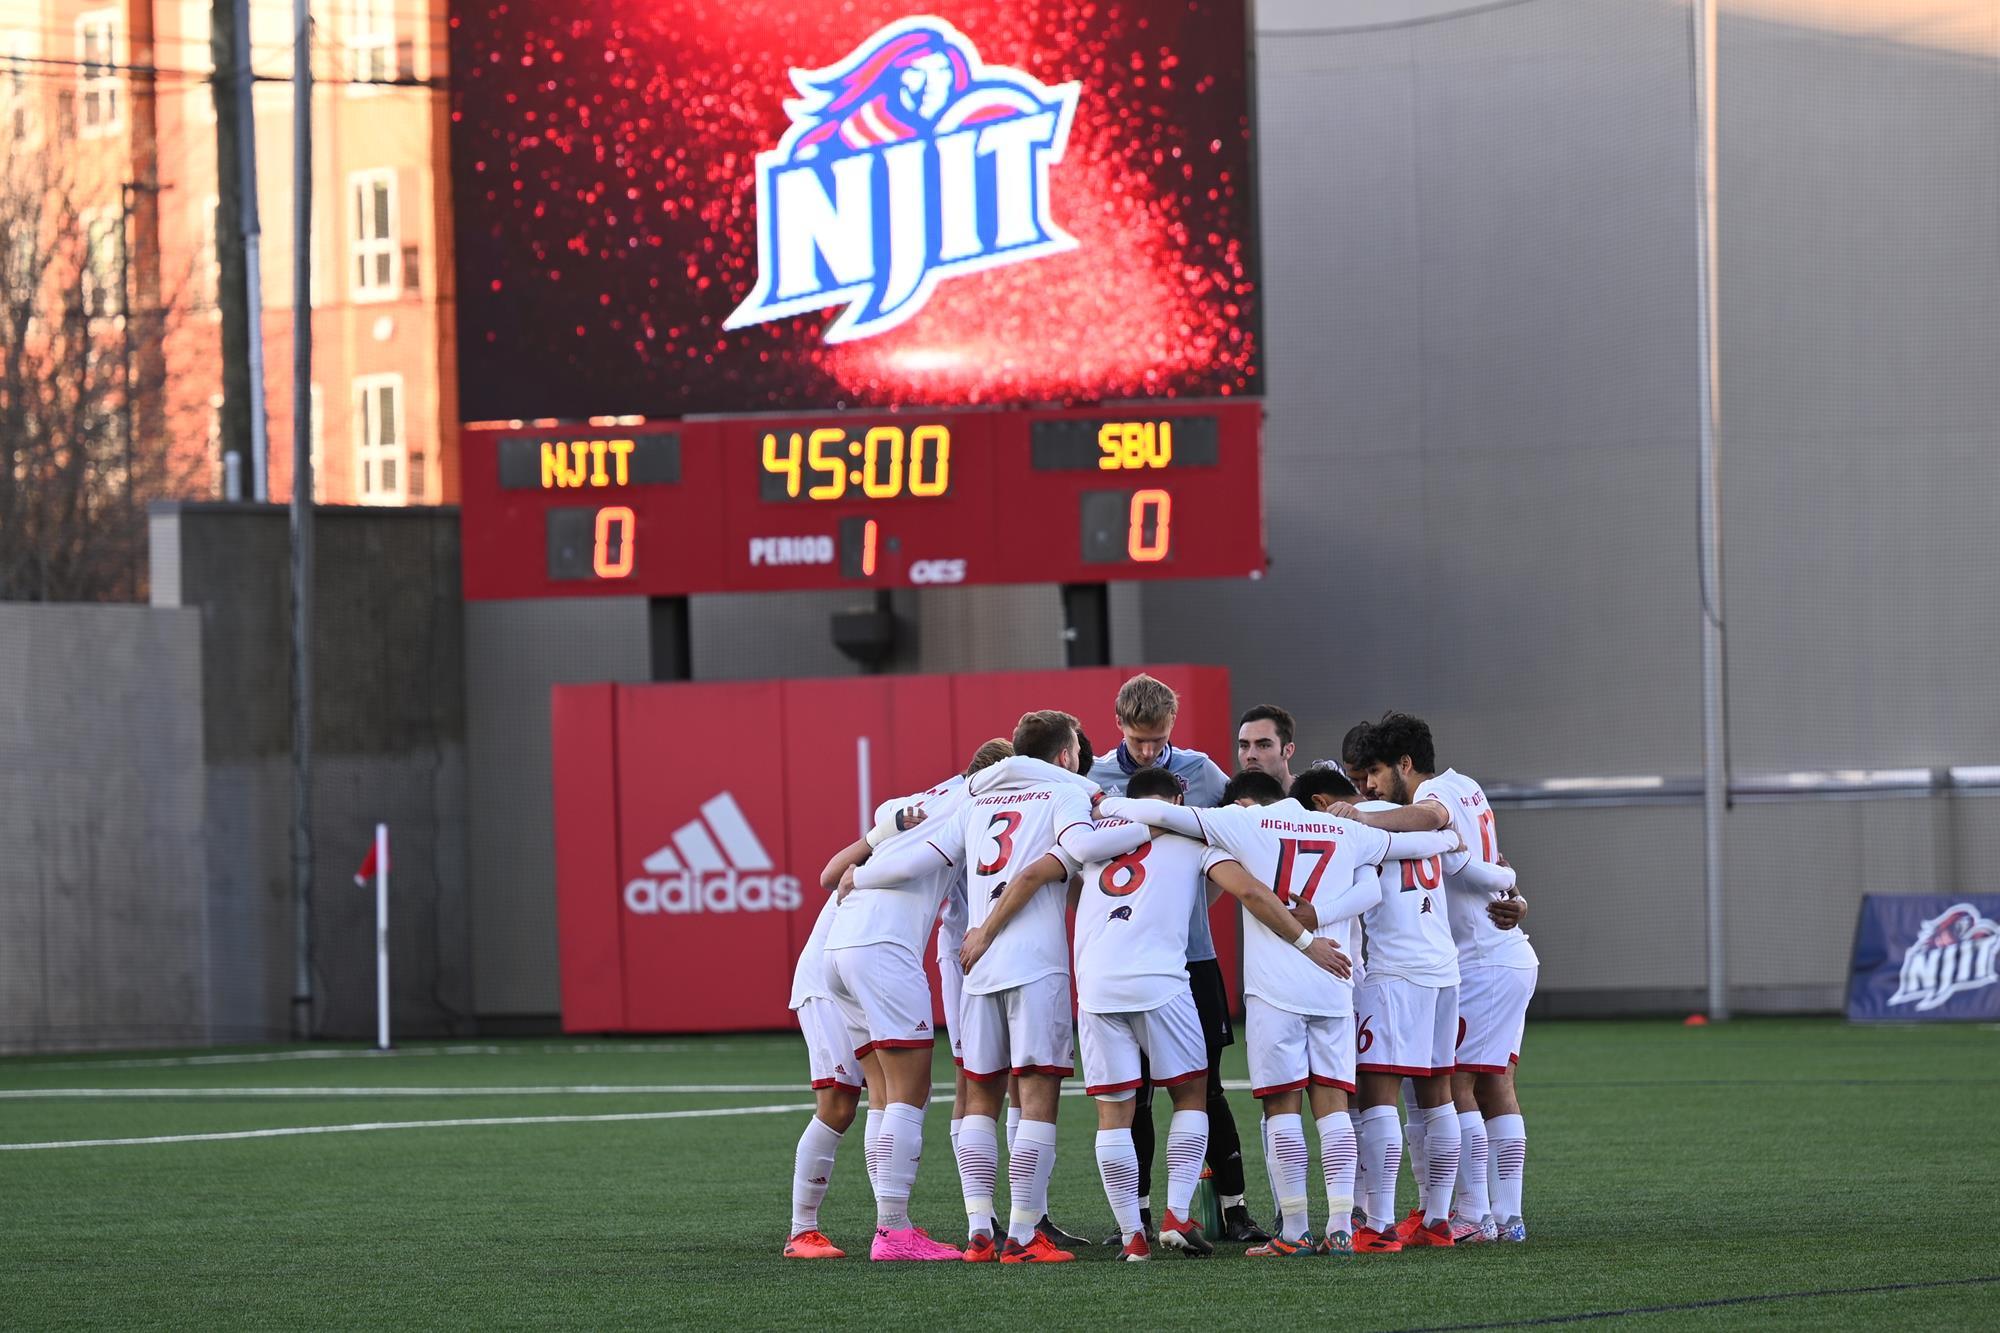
{"points": [[1087, 624], [669, 641]]}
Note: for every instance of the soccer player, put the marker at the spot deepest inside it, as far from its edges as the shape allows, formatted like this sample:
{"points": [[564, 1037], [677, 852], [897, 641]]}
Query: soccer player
{"points": [[836, 1083], [1146, 709], [1264, 743], [1497, 965], [1016, 1003], [874, 971], [1300, 1020], [1407, 1027]]}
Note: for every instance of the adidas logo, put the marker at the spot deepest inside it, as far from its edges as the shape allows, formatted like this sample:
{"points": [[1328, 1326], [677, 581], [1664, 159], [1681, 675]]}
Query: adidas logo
{"points": [[713, 863], [923, 1026], [819, 1180]]}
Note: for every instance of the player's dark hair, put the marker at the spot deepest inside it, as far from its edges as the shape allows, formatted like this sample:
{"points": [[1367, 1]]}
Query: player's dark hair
{"points": [[1273, 714], [1354, 747], [988, 754], [1044, 734], [1400, 734], [1085, 756], [1259, 788], [1321, 780], [1154, 781]]}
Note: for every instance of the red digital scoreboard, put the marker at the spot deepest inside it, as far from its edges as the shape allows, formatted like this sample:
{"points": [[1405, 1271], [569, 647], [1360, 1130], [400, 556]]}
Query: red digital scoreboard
{"points": [[1160, 490]]}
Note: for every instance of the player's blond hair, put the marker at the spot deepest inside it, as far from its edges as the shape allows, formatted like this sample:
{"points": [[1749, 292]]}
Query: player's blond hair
{"points": [[1044, 734], [989, 754], [1144, 702]]}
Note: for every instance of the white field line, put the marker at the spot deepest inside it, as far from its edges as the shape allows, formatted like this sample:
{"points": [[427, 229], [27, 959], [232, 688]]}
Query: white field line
{"points": [[295, 1130], [571, 1090], [405, 1052]]}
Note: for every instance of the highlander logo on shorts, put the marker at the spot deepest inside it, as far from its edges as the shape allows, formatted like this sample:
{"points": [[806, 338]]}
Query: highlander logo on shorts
{"points": [[1954, 952], [713, 863]]}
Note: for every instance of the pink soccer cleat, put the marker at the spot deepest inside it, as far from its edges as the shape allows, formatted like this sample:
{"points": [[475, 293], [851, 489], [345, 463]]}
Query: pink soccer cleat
{"points": [[909, 1243]]}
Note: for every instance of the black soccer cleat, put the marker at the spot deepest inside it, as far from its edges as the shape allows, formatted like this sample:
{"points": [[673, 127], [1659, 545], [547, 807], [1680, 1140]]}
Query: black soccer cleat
{"points": [[1145, 1228], [1237, 1227], [1056, 1236]]}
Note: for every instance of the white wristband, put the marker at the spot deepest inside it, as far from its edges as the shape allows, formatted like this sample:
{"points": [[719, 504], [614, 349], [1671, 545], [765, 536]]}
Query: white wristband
{"points": [[1303, 941]]}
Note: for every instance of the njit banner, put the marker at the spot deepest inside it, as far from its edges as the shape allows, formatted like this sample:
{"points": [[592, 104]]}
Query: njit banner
{"points": [[1926, 958], [692, 821]]}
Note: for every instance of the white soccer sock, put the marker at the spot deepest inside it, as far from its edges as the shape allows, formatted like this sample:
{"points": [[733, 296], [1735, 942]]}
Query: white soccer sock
{"points": [[871, 1130], [1286, 1160], [1353, 1114], [978, 1150], [1382, 1145], [956, 1121], [1440, 1161], [1118, 1166], [1337, 1156], [1508, 1137], [902, 1145], [1030, 1163], [1264, 1137], [1413, 1135], [1013, 1127], [1187, 1148], [812, 1169], [1470, 1199]]}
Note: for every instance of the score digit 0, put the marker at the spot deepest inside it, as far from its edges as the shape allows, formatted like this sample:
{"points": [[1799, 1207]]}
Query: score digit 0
{"points": [[611, 552]]}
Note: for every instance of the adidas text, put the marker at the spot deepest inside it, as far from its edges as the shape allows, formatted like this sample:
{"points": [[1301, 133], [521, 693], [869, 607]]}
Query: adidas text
{"points": [[685, 891]]}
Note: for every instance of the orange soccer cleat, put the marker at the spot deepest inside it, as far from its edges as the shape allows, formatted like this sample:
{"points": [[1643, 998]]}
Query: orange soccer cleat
{"points": [[1040, 1250], [1277, 1247], [981, 1249], [1370, 1241], [1437, 1234], [1407, 1227], [812, 1245]]}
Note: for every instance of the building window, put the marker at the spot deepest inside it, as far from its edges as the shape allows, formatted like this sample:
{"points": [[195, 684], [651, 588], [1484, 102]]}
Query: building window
{"points": [[104, 239], [372, 235], [378, 440], [97, 74], [371, 43], [16, 85]]}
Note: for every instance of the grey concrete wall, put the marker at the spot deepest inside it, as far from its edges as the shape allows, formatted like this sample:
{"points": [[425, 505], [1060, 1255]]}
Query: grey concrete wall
{"points": [[389, 745], [103, 938]]}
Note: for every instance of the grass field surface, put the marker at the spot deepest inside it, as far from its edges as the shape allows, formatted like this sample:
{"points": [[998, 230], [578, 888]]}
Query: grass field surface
{"points": [[1781, 1174]]}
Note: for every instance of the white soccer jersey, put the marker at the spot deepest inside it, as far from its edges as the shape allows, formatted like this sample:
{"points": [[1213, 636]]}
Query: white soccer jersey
{"points": [[1408, 935], [1132, 923], [905, 913], [1013, 813], [809, 976], [1477, 938]]}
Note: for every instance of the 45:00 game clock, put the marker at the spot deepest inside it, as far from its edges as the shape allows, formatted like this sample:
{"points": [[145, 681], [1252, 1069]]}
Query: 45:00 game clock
{"points": [[886, 499]]}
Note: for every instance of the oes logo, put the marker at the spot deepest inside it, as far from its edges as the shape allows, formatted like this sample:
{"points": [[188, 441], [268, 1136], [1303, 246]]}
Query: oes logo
{"points": [[938, 571]]}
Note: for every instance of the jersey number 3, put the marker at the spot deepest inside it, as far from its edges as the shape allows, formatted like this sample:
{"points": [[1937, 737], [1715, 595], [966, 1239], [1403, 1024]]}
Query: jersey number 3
{"points": [[1002, 830], [1132, 866]]}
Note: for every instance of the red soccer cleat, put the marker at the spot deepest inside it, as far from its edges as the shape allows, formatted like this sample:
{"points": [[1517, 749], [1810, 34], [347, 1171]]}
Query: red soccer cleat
{"points": [[1369, 1241], [1408, 1226], [981, 1250], [812, 1245], [1436, 1234], [1040, 1250], [1136, 1250], [1177, 1233]]}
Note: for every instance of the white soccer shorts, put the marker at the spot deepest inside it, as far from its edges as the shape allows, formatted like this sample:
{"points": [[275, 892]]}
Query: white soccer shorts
{"points": [[1403, 1028], [1288, 1050], [1169, 1037], [883, 995], [1020, 1030], [830, 1053], [951, 980], [1492, 1015]]}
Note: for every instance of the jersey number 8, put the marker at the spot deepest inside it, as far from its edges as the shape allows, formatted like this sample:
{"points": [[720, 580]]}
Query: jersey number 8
{"points": [[1132, 866]]}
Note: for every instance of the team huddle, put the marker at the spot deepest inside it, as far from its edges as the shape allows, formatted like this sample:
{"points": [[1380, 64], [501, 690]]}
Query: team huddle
{"points": [[1383, 964]]}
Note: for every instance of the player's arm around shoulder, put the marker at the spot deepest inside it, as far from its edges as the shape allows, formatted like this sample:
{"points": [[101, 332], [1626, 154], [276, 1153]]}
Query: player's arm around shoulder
{"points": [[1046, 869], [1425, 816]]}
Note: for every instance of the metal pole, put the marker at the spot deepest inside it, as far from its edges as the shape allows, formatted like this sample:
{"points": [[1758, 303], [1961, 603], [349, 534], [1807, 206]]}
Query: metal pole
{"points": [[253, 264], [125, 212], [1714, 717], [302, 518], [381, 937]]}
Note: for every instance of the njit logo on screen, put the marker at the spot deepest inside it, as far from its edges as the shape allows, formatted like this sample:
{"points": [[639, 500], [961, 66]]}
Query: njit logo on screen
{"points": [[713, 863], [907, 162], [1955, 951]]}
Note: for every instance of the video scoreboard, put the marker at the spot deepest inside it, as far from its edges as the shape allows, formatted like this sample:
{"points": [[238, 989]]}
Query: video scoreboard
{"points": [[848, 500]]}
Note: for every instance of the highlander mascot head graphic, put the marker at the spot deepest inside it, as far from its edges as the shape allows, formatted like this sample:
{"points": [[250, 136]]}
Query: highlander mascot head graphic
{"points": [[908, 162]]}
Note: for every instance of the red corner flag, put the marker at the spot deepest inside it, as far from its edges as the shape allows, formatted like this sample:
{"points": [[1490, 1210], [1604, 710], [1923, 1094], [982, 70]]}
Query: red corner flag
{"points": [[363, 876]]}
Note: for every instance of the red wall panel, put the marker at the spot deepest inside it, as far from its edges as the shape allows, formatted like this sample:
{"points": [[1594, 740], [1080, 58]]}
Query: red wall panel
{"points": [[586, 826]]}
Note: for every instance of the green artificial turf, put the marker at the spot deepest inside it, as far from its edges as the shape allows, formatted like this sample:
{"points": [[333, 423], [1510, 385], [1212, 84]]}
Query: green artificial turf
{"points": [[1803, 1161]]}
